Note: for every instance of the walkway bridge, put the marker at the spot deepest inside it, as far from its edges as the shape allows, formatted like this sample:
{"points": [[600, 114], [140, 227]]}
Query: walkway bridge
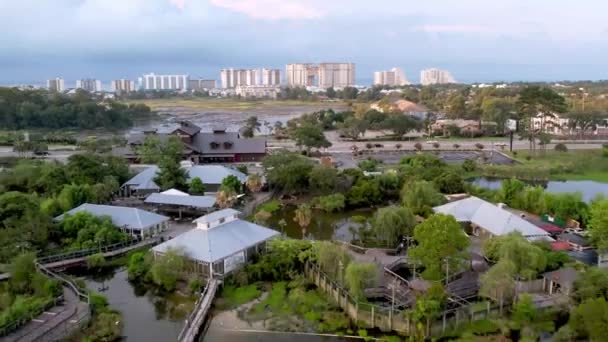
{"points": [[195, 321]]}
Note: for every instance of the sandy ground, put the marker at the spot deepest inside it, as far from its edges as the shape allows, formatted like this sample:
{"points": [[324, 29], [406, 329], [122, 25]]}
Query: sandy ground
{"points": [[230, 319]]}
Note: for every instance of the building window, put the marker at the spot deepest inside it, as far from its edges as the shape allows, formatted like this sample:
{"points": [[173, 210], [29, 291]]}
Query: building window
{"points": [[222, 220], [227, 145], [214, 145]]}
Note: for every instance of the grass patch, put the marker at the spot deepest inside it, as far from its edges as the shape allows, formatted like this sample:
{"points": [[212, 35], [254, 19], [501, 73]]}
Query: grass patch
{"points": [[271, 206], [553, 165], [225, 104], [233, 296]]}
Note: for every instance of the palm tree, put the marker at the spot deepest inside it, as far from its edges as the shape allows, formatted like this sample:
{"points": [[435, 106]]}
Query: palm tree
{"points": [[225, 198], [303, 216], [254, 183]]}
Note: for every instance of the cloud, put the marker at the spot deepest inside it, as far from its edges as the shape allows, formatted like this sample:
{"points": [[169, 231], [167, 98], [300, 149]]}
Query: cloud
{"points": [[434, 28], [179, 3], [272, 9]]}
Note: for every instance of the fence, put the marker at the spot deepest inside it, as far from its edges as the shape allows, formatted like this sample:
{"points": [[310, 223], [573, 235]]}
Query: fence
{"points": [[87, 252], [197, 316], [390, 318], [80, 293], [13, 326]]}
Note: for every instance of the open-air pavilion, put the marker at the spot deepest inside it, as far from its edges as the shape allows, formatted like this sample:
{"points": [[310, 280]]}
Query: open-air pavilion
{"points": [[135, 222], [181, 204], [220, 243]]}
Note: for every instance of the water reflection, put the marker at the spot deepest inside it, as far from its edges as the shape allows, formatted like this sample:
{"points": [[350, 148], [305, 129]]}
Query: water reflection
{"points": [[588, 189]]}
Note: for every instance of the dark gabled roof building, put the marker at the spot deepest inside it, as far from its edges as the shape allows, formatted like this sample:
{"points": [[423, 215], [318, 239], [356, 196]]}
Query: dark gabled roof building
{"points": [[215, 146]]}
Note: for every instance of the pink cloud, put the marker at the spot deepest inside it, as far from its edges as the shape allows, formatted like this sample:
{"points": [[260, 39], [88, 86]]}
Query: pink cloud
{"points": [[271, 9]]}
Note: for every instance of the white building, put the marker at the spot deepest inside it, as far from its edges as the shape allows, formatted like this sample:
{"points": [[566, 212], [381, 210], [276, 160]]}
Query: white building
{"points": [[164, 82], [301, 74], [122, 86], [257, 91], [392, 77], [57, 84], [558, 125], [271, 77], [232, 78], [89, 84], [436, 76], [200, 84]]}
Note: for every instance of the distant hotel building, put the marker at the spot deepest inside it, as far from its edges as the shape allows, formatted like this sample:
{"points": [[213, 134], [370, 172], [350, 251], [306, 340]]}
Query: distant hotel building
{"points": [[324, 75], [56, 84], [392, 77], [232, 78], [123, 86], [89, 84], [257, 91], [200, 84], [436, 76], [164, 82]]}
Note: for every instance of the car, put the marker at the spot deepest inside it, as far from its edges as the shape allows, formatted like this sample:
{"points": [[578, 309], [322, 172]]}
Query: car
{"points": [[41, 153]]}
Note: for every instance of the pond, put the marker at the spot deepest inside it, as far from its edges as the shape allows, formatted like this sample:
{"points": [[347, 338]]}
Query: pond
{"points": [[589, 189], [323, 226], [146, 315]]}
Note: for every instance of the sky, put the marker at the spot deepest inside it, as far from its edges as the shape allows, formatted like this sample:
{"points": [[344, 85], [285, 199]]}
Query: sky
{"points": [[477, 40]]}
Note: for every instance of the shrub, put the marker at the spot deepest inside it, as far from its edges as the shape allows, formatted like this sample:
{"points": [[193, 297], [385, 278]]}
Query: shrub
{"points": [[605, 150], [369, 146], [369, 165], [195, 285], [331, 203], [456, 146], [560, 147], [243, 169], [138, 266], [398, 146], [479, 146], [436, 145], [418, 146], [469, 165]]}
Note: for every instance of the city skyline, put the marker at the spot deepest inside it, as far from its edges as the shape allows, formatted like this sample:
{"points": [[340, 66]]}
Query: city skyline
{"points": [[511, 41]]}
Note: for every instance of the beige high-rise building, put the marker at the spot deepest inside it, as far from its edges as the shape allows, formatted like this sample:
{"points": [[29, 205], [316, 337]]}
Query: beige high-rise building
{"points": [[232, 78], [392, 77], [436, 76], [56, 84], [325, 75], [336, 75], [164, 82], [301, 74], [123, 86], [89, 84]]}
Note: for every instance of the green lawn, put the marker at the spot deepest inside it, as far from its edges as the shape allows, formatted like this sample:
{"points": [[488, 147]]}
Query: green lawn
{"points": [[572, 165], [226, 104]]}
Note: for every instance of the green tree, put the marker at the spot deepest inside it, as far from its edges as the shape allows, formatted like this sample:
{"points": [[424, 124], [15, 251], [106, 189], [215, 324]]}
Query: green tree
{"points": [[401, 124], [252, 124], [420, 197], [22, 271], [155, 151], [391, 223], [287, 171], [359, 276], [197, 187], [593, 283], [510, 189], [589, 320], [138, 266], [353, 127], [598, 225], [333, 259], [528, 259], [310, 137], [441, 246], [74, 195], [498, 283], [232, 183], [457, 106], [331, 203], [95, 260], [498, 110], [323, 179], [167, 269], [364, 193], [450, 182]]}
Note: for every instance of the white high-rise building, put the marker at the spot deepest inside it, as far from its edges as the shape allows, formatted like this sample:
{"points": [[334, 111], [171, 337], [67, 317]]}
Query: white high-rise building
{"points": [[436, 76], [301, 74], [89, 84], [57, 84], [232, 78], [326, 75], [271, 77], [164, 82], [392, 77], [123, 86]]}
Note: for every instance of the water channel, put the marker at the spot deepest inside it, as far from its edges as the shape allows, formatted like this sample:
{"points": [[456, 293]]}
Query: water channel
{"points": [[588, 189]]}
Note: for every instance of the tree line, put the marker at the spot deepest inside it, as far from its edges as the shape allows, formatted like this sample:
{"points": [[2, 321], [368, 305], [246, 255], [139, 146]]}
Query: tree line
{"points": [[26, 109]]}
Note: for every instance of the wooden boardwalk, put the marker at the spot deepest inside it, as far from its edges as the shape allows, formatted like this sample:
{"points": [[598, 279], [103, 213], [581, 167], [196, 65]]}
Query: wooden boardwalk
{"points": [[197, 317]]}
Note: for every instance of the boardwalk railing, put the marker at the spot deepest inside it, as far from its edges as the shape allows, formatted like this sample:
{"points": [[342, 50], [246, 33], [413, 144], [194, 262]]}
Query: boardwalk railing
{"points": [[81, 293], [197, 316], [86, 252], [13, 326]]}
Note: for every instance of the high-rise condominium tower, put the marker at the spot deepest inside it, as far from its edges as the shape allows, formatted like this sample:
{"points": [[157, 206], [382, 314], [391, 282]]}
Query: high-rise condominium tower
{"points": [[337, 75], [392, 77], [123, 86], [436, 76], [164, 82], [232, 78], [89, 84], [56, 84]]}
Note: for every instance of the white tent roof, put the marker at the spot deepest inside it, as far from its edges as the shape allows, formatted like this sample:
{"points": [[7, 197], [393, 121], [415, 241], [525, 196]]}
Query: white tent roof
{"points": [[174, 192]]}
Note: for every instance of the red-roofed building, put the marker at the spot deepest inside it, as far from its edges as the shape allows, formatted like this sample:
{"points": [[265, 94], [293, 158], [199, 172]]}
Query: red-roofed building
{"points": [[551, 228], [558, 246]]}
